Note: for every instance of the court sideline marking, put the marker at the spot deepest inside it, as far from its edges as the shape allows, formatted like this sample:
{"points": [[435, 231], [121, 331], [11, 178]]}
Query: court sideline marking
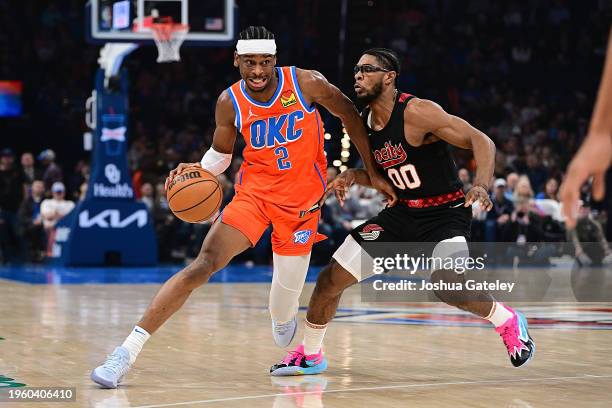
{"points": [[383, 387]]}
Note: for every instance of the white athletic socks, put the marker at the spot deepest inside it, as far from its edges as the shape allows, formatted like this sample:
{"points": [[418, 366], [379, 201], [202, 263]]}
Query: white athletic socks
{"points": [[313, 337], [499, 314], [134, 342]]}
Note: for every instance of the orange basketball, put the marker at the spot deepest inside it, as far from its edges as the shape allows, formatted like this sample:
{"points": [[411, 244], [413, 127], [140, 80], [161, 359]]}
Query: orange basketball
{"points": [[194, 195]]}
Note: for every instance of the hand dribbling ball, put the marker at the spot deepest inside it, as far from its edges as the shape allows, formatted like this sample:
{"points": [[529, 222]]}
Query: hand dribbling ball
{"points": [[194, 195]]}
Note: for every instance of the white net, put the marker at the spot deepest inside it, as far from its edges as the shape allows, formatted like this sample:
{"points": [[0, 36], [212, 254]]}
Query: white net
{"points": [[168, 38]]}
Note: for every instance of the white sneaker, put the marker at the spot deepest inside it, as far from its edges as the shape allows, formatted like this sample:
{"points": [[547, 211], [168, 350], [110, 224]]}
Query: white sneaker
{"points": [[109, 374], [283, 333]]}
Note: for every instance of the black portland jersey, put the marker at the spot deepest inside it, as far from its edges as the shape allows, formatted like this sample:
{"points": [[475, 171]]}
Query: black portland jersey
{"points": [[415, 172]]}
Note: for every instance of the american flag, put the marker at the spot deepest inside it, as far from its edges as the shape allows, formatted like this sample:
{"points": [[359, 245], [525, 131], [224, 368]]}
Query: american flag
{"points": [[214, 24]]}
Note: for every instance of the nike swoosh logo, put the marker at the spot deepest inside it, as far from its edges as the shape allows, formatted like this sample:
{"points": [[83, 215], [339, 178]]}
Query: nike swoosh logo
{"points": [[458, 205], [138, 331]]}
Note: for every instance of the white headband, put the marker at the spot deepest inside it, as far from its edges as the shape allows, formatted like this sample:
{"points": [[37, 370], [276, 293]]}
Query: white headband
{"points": [[256, 47]]}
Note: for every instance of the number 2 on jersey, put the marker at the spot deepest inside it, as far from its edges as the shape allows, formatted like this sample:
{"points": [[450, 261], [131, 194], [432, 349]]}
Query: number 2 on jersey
{"points": [[283, 156], [406, 177]]}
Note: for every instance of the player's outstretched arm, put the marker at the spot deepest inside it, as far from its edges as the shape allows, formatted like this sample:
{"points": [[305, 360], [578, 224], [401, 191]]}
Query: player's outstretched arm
{"points": [[595, 154], [317, 89], [218, 158], [428, 116]]}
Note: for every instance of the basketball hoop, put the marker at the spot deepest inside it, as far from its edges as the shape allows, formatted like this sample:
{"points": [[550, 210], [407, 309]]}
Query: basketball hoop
{"points": [[168, 37]]}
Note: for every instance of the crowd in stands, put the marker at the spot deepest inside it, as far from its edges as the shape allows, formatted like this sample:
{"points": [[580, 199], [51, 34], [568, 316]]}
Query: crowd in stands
{"points": [[32, 200], [33, 197], [525, 73]]}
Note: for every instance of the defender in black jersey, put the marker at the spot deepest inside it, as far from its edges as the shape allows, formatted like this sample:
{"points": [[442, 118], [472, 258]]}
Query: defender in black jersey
{"points": [[431, 204], [410, 140]]}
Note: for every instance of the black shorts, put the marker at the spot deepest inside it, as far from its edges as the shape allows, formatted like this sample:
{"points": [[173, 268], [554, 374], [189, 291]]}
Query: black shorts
{"points": [[405, 224]]}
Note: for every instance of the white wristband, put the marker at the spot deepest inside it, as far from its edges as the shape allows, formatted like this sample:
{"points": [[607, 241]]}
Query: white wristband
{"points": [[216, 162]]}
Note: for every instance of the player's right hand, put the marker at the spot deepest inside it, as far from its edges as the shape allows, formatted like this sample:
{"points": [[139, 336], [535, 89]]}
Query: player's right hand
{"points": [[383, 186], [178, 170]]}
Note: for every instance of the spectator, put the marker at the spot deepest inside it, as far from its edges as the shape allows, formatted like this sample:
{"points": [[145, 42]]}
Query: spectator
{"points": [[499, 216], [338, 218], [147, 196], [530, 112], [368, 200], [83, 191], [511, 181], [52, 172], [588, 239], [522, 225], [465, 178], [521, 53], [166, 225], [11, 194], [524, 229], [551, 190], [31, 224], [30, 172], [79, 176], [53, 209], [536, 172], [523, 190]]}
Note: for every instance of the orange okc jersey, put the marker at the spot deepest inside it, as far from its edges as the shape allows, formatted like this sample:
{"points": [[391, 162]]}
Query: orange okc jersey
{"points": [[284, 160]]}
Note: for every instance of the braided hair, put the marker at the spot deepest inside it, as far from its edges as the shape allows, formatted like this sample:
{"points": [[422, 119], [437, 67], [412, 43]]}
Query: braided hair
{"points": [[256, 33]]}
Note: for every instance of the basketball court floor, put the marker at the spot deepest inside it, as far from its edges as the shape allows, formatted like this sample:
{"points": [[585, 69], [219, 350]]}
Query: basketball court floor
{"points": [[218, 349]]}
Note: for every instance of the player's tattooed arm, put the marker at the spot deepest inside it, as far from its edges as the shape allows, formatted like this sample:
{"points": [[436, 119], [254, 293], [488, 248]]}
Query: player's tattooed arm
{"points": [[224, 136], [423, 116], [317, 89]]}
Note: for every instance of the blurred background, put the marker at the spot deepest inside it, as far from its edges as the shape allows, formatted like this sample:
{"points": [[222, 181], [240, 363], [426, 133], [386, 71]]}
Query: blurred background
{"points": [[525, 73]]}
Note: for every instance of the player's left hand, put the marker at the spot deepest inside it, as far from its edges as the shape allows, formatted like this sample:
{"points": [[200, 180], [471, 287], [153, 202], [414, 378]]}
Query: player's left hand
{"points": [[382, 185], [340, 186], [178, 170], [480, 194]]}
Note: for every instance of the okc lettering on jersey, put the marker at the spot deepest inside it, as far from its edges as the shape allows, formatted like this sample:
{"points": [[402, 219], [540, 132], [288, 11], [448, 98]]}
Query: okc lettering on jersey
{"points": [[390, 155], [279, 130]]}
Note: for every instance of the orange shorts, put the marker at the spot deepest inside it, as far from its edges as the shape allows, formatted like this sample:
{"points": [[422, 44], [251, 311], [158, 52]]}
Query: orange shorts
{"points": [[291, 235]]}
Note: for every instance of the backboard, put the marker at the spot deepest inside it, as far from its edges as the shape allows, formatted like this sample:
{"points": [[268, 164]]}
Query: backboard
{"points": [[212, 22]]}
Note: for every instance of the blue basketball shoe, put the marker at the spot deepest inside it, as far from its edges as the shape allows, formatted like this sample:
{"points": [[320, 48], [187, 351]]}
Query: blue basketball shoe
{"points": [[297, 363], [517, 340]]}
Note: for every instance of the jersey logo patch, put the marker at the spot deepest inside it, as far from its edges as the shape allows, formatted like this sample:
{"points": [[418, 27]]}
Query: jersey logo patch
{"points": [[251, 114], [390, 155], [371, 232], [288, 98], [301, 237]]}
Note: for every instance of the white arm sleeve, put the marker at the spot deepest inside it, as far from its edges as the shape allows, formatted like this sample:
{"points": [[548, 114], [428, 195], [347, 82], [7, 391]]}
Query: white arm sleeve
{"points": [[216, 162]]}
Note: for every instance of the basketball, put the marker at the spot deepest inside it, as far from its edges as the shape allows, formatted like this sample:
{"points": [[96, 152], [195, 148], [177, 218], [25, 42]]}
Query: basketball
{"points": [[194, 195]]}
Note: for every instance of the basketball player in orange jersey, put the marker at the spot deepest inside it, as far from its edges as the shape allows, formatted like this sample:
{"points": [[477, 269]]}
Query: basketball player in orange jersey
{"points": [[281, 178], [410, 140]]}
